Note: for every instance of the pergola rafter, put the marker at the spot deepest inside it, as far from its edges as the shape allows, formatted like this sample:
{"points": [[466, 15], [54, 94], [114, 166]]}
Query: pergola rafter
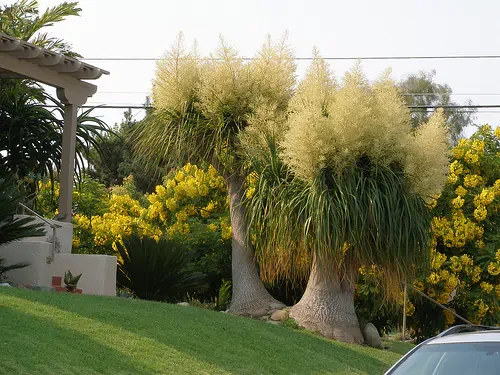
{"points": [[20, 59]]}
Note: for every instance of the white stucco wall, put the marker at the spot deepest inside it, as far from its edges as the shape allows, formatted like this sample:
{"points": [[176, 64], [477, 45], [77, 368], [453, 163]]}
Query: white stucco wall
{"points": [[98, 271], [63, 234]]}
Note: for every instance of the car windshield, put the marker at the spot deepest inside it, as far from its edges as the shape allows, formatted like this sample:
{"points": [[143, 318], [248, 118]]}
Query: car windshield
{"points": [[452, 359]]}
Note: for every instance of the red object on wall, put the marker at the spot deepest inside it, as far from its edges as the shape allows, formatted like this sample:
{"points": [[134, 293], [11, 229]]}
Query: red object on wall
{"points": [[56, 280]]}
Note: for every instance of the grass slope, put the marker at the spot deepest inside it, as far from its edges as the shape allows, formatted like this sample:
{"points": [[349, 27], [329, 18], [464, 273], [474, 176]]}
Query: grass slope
{"points": [[47, 333]]}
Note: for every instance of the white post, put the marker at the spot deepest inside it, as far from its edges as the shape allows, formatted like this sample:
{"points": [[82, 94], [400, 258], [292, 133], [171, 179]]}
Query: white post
{"points": [[404, 314], [67, 162]]}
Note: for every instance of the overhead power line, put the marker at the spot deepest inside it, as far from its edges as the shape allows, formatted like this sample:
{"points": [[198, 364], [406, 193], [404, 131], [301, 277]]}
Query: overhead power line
{"points": [[403, 94], [470, 107], [444, 57]]}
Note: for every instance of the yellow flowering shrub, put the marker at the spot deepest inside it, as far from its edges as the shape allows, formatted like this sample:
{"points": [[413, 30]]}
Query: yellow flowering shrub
{"points": [[465, 251]]}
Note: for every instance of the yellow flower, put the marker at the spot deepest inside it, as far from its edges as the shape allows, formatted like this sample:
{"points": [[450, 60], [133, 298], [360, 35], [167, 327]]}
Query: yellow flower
{"points": [[449, 318], [250, 192], [476, 274], [472, 180], [497, 132], [433, 278], [418, 285], [486, 287], [171, 204], [452, 179], [171, 184], [455, 264], [461, 191], [213, 227], [410, 308], [456, 168], [458, 202], [482, 308], [494, 268], [480, 213], [179, 176]]}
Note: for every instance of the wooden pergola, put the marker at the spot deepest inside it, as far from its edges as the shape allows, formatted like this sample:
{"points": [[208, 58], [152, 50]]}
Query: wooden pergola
{"points": [[20, 59]]}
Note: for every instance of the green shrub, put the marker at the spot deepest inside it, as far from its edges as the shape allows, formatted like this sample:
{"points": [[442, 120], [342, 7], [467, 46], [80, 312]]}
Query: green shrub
{"points": [[156, 270]]}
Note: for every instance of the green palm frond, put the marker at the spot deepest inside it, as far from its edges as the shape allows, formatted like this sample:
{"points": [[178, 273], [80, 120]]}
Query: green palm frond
{"points": [[11, 228]]}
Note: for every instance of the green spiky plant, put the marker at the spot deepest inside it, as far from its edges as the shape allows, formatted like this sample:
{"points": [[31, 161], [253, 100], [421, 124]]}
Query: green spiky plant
{"points": [[156, 270], [71, 281], [12, 228], [345, 186]]}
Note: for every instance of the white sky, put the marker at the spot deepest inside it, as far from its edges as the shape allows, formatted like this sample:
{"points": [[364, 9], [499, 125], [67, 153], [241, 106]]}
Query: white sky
{"points": [[146, 28]]}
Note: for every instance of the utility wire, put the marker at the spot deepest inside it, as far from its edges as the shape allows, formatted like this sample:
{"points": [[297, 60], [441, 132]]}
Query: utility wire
{"points": [[471, 107], [445, 57]]}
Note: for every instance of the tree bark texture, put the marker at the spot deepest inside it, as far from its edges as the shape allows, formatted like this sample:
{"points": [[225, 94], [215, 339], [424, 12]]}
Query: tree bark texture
{"points": [[327, 305], [249, 296]]}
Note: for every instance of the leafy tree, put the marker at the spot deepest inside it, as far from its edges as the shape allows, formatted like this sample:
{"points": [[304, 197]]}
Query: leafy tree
{"points": [[421, 90], [113, 158], [465, 252], [201, 108], [349, 192]]}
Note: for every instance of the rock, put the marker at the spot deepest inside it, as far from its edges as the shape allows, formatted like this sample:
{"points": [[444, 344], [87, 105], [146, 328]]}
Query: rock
{"points": [[372, 336], [279, 315], [273, 322], [258, 313], [277, 306], [265, 317], [183, 304], [5, 284]]}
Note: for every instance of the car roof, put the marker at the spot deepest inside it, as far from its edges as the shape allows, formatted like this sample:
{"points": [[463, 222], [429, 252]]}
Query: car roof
{"points": [[467, 337]]}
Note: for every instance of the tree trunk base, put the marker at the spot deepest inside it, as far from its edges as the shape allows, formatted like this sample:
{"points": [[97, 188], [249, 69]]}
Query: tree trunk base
{"points": [[327, 305], [313, 320]]}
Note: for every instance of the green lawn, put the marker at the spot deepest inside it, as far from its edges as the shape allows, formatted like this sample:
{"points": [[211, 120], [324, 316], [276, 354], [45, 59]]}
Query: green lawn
{"points": [[48, 333]]}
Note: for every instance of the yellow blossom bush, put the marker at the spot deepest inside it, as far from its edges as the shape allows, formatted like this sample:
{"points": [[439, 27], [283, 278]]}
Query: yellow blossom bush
{"points": [[465, 251]]}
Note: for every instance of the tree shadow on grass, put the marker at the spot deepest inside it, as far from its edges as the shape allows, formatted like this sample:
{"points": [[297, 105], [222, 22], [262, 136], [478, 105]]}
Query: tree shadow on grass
{"points": [[234, 344], [30, 345]]}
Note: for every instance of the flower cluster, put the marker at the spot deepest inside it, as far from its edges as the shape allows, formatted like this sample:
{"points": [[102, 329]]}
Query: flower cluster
{"points": [[465, 252]]}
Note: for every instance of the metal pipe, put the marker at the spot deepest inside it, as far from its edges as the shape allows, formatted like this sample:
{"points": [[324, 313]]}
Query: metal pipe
{"points": [[51, 258]]}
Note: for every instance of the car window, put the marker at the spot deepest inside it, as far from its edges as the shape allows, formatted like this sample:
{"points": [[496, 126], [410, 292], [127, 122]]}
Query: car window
{"points": [[452, 359]]}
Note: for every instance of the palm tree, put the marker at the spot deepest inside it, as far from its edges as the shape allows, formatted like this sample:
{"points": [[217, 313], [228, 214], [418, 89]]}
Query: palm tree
{"points": [[346, 187], [24, 21], [202, 109], [33, 144]]}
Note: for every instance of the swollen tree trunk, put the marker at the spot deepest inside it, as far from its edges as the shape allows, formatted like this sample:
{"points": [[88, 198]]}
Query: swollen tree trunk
{"points": [[249, 296], [327, 305]]}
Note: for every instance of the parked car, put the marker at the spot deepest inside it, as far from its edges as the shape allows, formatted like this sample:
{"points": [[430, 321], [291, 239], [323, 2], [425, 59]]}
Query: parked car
{"points": [[460, 350]]}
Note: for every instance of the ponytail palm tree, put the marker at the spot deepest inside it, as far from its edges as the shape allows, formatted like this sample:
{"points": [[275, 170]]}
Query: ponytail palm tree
{"points": [[202, 107], [345, 187]]}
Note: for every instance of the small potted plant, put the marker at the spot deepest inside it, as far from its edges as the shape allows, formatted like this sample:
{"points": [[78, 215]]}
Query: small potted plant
{"points": [[71, 281]]}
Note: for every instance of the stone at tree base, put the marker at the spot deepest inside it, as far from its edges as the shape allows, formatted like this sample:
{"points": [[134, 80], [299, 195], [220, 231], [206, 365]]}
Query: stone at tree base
{"points": [[258, 313], [372, 336], [277, 306], [183, 304], [279, 315]]}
